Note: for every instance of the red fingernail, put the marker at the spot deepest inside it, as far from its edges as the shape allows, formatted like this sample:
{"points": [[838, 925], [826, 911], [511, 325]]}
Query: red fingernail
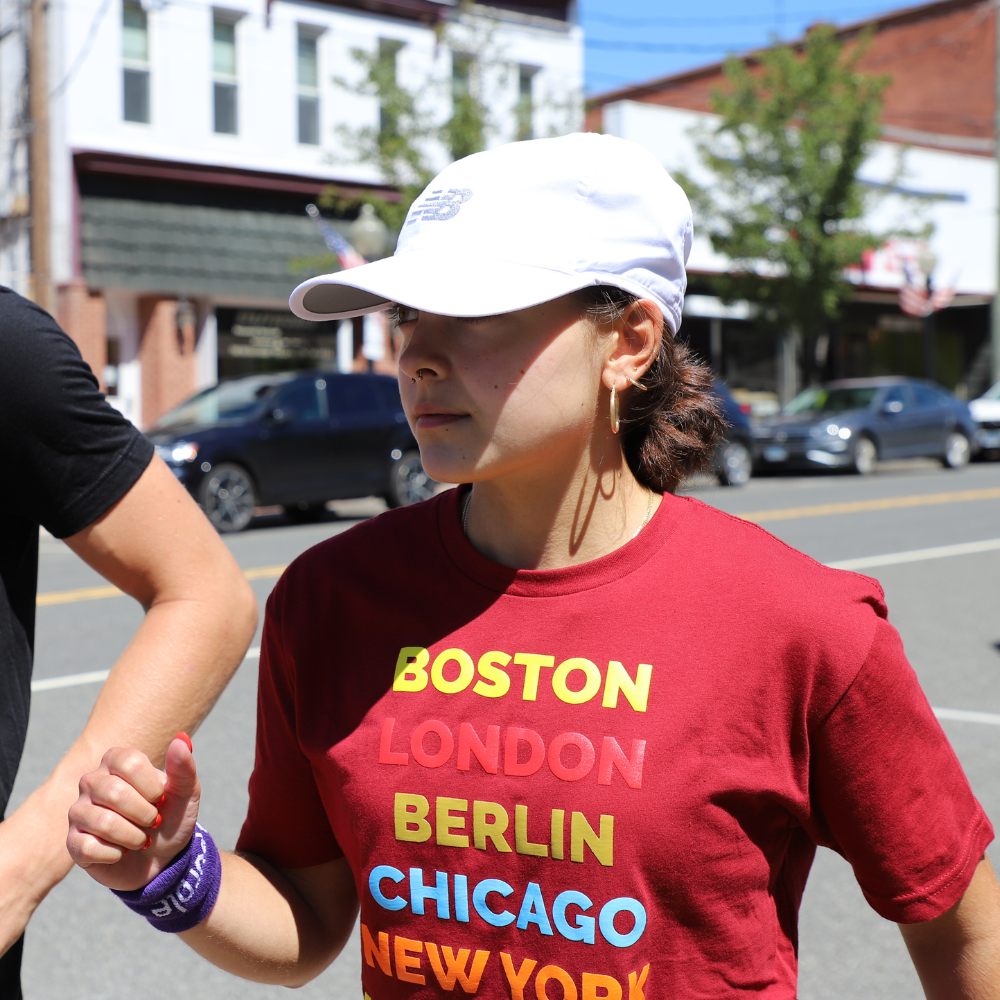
{"points": [[124, 851], [186, 739], [159, 802], [156, 822], [149, 840]]}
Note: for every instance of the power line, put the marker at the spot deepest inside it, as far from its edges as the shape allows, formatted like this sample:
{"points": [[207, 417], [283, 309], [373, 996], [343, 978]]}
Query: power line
{"points": [[709, 22], [84, 49], [624, 46]]}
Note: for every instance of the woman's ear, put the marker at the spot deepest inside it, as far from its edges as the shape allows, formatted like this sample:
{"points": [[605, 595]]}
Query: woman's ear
{"points": [[637, 343]]}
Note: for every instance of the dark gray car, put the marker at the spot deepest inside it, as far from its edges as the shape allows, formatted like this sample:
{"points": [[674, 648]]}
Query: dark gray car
{"points": [[297, 439], [852, 423]]}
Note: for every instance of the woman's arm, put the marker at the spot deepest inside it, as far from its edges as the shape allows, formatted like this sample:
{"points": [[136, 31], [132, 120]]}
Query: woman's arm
{"points": [[157, 546], [267, 925], [957, 955], [277, 926]]}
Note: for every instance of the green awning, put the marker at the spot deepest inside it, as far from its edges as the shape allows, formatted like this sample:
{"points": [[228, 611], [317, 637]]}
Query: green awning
{"points": [[192, 249]]}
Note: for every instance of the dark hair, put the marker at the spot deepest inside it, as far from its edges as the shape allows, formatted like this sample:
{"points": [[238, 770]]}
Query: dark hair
{"points": [[673, 429]]}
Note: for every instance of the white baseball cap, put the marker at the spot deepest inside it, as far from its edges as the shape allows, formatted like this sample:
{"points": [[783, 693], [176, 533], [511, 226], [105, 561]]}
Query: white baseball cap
{"points": [[522, 224]]}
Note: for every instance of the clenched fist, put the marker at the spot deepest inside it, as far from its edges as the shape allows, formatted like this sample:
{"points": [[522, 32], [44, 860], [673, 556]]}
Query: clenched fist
{"points": [[131, 818]]}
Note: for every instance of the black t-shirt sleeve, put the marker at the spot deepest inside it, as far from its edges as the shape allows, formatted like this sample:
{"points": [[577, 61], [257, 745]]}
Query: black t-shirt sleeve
{"points": [[67, 455]]}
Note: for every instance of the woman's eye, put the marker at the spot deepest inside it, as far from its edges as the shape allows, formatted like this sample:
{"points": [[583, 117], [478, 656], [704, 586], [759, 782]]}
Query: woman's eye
{"points": [[403, 314]]}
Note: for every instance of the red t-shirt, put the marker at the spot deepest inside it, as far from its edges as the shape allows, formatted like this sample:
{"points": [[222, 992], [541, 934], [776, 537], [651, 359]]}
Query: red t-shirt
{"points": [[603, 781]]}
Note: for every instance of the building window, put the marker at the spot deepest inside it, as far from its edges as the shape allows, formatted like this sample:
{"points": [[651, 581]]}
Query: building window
{"points": [[224, 75], [135, 63], [525, 111], [308, 87], [388, 49]]}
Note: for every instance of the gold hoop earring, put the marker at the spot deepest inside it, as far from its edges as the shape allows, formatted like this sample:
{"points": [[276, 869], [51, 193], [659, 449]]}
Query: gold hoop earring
{"points": [[614, 410], [638, 385]]}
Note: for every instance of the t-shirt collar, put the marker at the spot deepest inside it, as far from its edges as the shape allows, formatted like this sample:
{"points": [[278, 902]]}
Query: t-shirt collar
{"points": [[608, 569]]}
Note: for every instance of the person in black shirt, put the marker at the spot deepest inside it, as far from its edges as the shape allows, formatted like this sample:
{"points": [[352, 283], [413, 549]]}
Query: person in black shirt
{"points": [[72, 463]]}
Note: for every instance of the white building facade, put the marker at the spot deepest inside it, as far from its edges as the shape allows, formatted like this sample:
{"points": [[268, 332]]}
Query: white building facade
{"points": [[187, 138], [952, 192]]}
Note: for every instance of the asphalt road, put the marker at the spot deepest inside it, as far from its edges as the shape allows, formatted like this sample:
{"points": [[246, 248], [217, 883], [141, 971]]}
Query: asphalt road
{"points": [[84, 945]]}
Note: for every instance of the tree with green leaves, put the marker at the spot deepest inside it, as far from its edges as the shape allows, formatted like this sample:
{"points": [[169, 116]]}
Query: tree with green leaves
{"points": [[400, 145], [785, 204]]}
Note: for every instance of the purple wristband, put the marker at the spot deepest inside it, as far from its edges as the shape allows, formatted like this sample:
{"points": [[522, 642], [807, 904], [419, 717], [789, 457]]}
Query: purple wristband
{"points": [[182, 895]]}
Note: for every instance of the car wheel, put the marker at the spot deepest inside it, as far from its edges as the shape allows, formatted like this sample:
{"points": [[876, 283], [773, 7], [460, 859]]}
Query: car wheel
{"points": [[228, 497], [865, 456], [957, 451], [408, 483], [734, 464]]}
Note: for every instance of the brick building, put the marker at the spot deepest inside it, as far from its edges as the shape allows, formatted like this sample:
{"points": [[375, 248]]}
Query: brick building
{"points": [[940, 107]]}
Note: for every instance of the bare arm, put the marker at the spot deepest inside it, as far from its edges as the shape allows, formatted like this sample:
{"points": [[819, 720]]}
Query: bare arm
{"points": [[157, 546], [282, 926], [957, 955], [269, 925]]}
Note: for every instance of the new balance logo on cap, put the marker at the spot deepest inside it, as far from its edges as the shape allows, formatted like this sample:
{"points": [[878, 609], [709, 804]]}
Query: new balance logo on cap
{"points": [[439, 205], [549, 217]]}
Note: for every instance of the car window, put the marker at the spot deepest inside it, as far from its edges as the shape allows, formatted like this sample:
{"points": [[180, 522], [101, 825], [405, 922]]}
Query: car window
{"points": [[835, 400], [352, 394], [926, 396], [897, 398], [301, 399], [228, 402]]}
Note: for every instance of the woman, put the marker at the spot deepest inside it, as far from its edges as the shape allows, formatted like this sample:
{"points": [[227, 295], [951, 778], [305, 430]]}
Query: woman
{"points": [[564, 734]]}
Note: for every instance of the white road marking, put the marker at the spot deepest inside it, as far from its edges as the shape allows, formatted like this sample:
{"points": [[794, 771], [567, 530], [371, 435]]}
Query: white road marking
{"points": [[98, 676], [961, 715], [69, 680], [72, 680], [918, 555]]}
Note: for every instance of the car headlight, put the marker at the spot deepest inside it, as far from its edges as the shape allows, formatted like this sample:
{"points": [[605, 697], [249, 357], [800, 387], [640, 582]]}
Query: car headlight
{"points": [[844, 433], [179, 451]]}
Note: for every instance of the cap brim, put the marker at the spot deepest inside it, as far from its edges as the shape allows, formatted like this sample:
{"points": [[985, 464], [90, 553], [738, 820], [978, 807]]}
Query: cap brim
{"points": [[431, 283]]}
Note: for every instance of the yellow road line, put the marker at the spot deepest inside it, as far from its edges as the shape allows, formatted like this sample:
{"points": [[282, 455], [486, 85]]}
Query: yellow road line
{"points": [[98, 593], [759, 516], [264, 572], [81, 594], [858, 506]]}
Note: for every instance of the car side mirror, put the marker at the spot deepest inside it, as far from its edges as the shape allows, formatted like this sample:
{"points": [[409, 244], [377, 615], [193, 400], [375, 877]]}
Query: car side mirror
{"points": [[894, 407]]}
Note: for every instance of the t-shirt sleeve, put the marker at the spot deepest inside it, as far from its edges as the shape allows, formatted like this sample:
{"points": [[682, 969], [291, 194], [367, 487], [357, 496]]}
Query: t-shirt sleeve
{"points": [[890, 794], [286, 821], [67, 454]]}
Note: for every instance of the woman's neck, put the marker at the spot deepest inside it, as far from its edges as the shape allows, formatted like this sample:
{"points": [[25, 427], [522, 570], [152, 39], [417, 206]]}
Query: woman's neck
{"points": [[541, 521]]}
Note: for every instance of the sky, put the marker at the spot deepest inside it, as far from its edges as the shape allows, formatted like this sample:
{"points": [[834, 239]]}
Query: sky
{"points": [[629, 41]]}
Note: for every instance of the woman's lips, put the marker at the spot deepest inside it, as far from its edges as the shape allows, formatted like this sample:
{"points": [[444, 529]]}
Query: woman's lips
{"points": [[428, 420]]}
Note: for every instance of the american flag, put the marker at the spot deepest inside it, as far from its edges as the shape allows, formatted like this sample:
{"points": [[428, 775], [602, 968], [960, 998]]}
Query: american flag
{"points": [[914, 300], [346, 254]]}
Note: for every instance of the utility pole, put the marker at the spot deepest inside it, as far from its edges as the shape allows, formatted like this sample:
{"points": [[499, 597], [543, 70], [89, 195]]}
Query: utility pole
{"points": [[995, 311], [38, 151]]}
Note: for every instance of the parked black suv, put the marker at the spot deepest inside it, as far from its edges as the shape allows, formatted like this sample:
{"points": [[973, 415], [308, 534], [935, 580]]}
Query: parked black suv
{"points": [[733, 463], [295, 439]]}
